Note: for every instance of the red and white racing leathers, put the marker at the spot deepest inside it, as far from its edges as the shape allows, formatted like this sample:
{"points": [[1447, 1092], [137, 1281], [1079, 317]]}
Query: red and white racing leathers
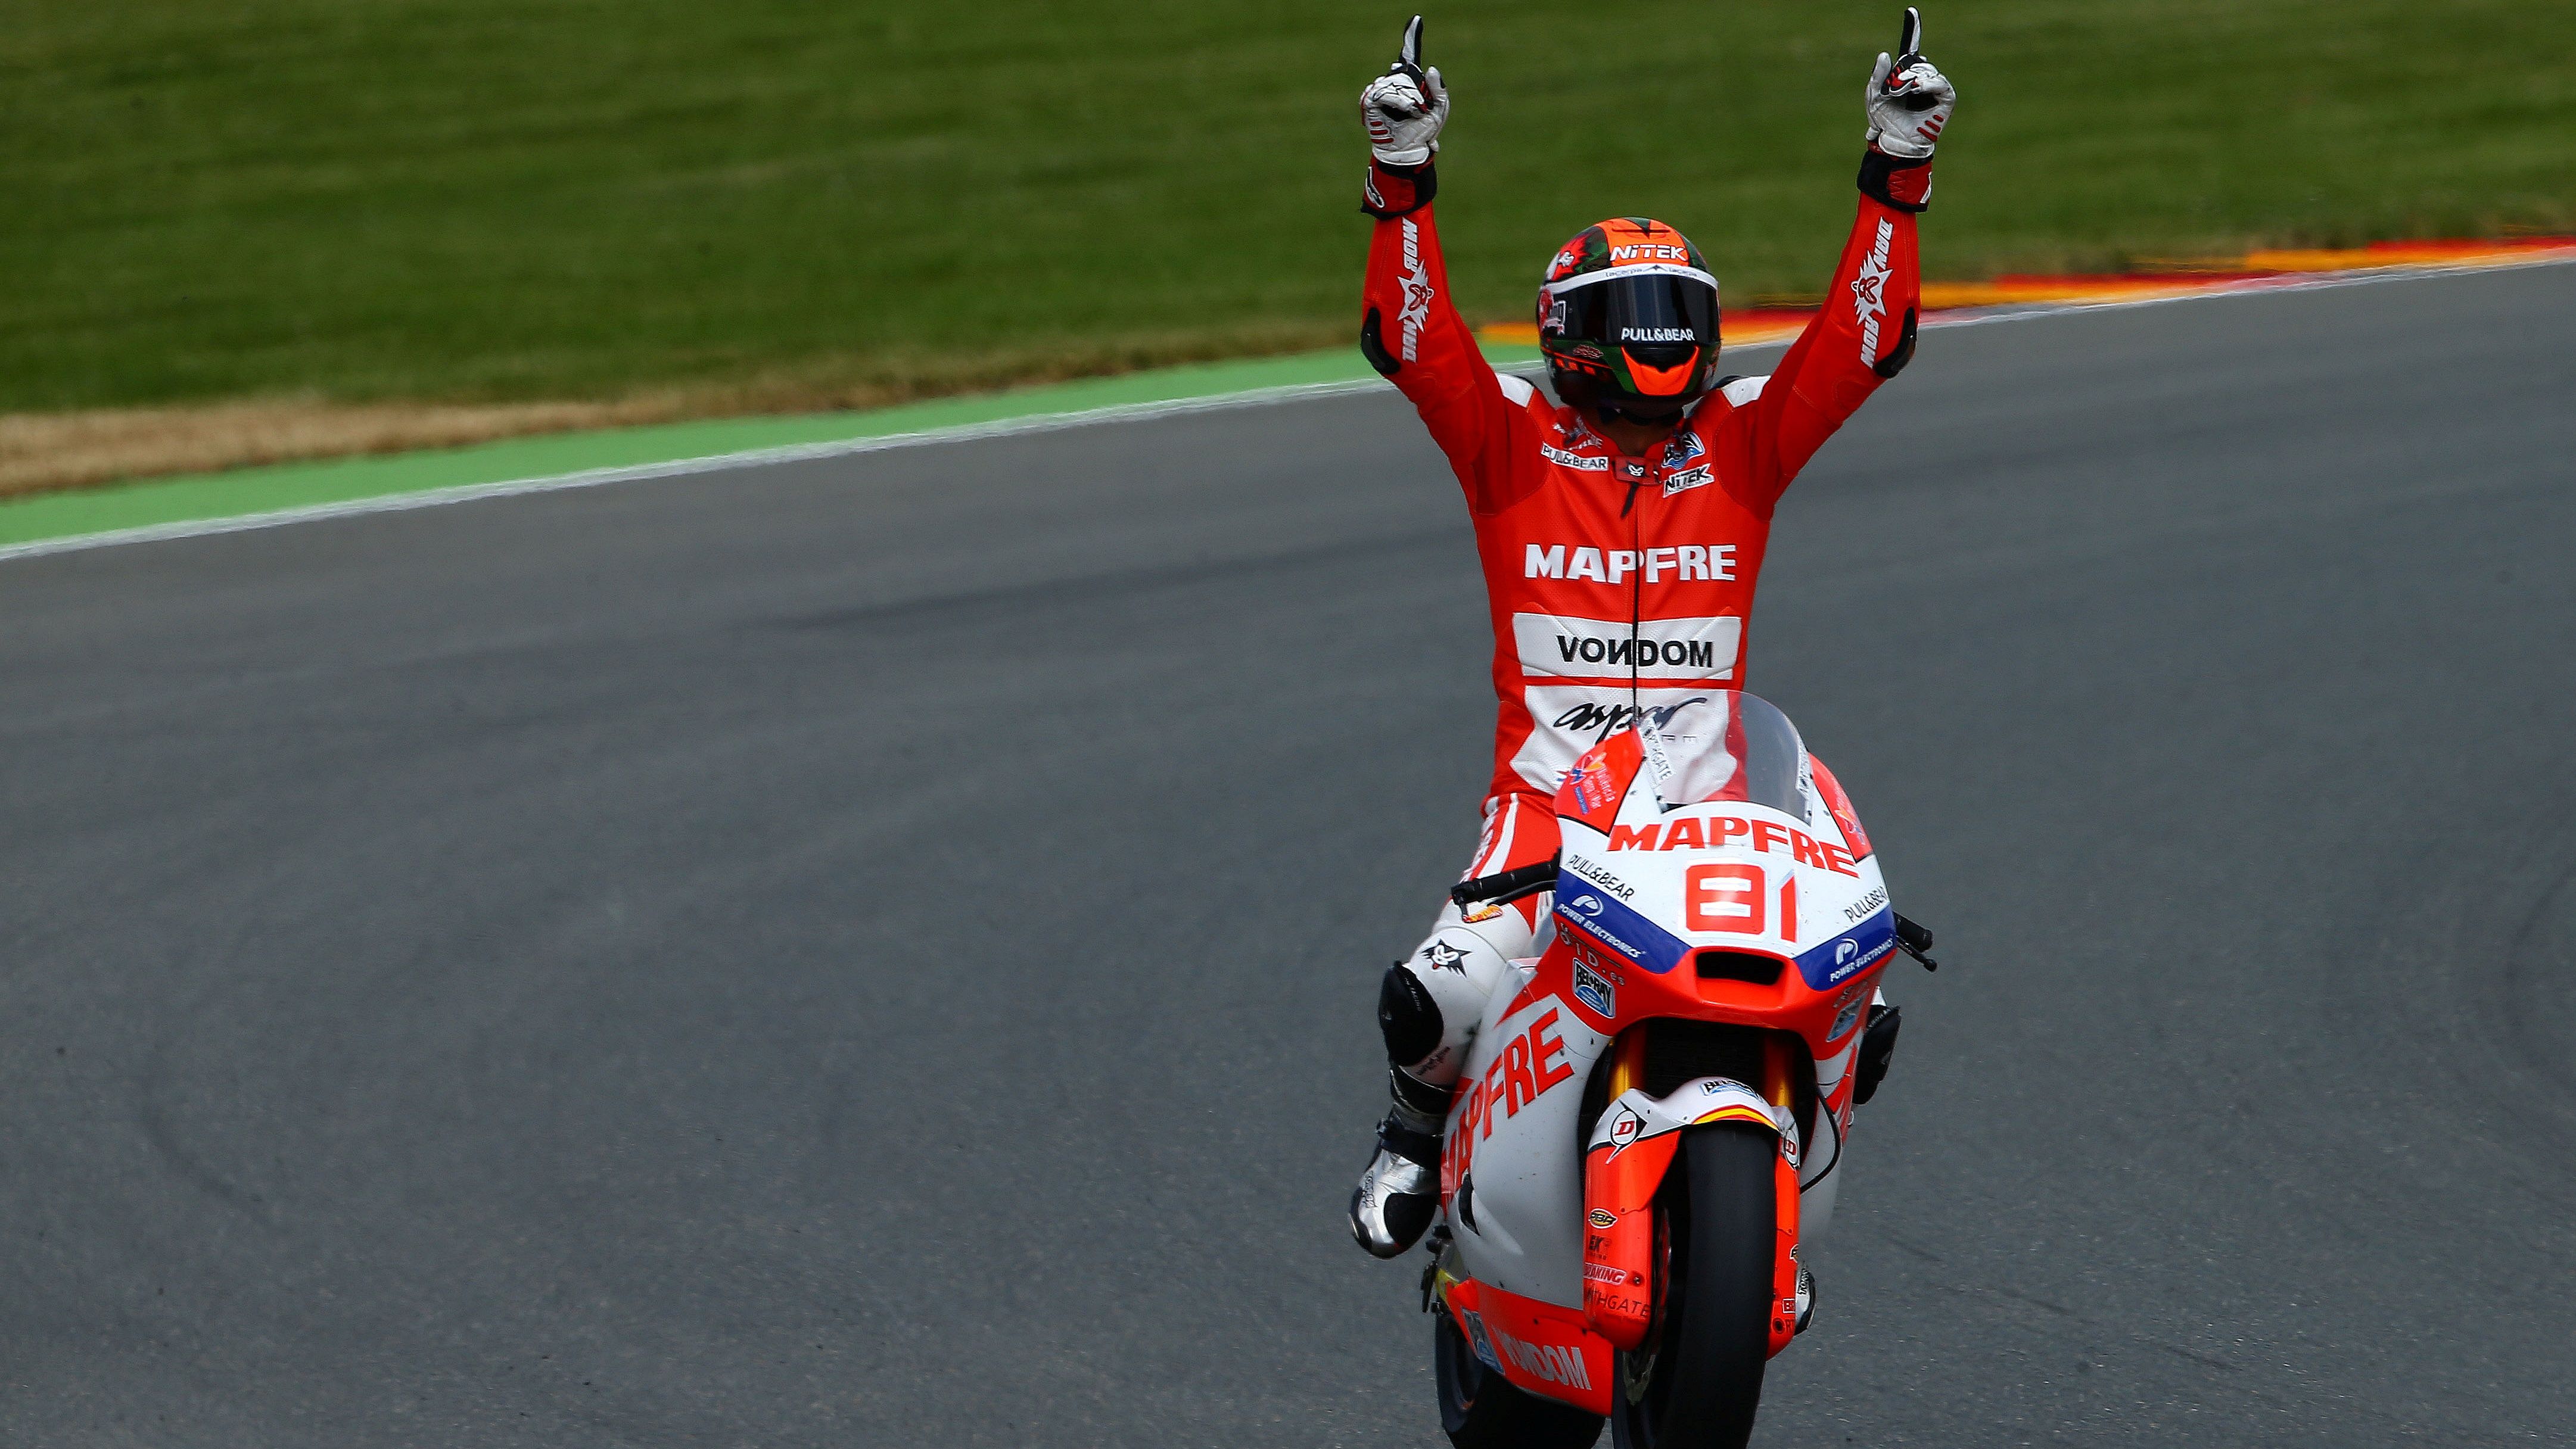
{"points": [[1618, 586]]}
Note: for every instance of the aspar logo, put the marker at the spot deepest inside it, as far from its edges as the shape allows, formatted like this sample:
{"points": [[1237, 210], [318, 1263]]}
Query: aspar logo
{"points": [[1657, 334], [1713, 563], [1869, 292], [1545, 1361], [1417, 289], [1610, 719]]}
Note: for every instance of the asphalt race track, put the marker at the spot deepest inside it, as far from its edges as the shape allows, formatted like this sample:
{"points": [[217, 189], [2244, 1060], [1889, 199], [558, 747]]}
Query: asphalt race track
{"points": [[881, 951]]}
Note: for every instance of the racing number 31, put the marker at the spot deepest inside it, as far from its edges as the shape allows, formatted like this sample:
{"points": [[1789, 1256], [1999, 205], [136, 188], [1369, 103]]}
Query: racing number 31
{"points": [[1730, 897]]}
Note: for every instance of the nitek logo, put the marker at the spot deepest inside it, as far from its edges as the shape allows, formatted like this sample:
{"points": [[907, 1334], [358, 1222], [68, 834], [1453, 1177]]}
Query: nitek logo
{"points": [[1711, 563], [1685, 480], [1649, 253]]}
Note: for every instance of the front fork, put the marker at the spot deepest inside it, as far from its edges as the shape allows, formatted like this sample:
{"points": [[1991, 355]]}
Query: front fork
{"points": [[1621, 1178]]}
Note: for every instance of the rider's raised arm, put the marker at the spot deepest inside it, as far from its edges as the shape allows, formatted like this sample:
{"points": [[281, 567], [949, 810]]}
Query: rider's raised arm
{"points": [[1864, 332], [1413, 336], [1408, 329]]}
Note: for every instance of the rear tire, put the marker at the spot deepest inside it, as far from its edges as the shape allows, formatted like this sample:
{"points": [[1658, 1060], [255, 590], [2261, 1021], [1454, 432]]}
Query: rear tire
{"points": [[1480, 1409], [1696, 1382]]}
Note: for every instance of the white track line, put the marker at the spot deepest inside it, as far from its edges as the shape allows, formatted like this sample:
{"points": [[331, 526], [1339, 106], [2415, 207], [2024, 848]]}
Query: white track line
{"points": [[1129, 412]]}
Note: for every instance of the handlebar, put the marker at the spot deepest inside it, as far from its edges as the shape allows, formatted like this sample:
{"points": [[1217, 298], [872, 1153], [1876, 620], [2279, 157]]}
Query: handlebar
{"points": [[1508, 885]]}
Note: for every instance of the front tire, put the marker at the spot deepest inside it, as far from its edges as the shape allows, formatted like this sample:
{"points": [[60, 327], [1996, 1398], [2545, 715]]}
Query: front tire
{"points": [[1480, 1409], [1696, 1381]]}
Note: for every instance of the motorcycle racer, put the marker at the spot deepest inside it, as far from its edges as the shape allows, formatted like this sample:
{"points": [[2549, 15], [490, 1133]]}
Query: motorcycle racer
{"points": [[1621, 528]]}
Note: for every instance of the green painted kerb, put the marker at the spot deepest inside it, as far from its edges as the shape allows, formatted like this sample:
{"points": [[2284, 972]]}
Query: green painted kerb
{"points": [[301, 485]]}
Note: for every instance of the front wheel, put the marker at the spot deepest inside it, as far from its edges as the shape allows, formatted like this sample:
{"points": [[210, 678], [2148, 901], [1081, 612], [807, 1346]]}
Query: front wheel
{"points": [[1697, 1379], [1480, 1409]]}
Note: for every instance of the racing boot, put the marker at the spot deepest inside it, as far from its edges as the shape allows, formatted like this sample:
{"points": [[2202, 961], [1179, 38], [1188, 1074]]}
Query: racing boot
{"points": [[1400, 1192]]}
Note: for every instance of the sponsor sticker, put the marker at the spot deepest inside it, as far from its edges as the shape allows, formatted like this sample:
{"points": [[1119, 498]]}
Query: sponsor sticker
{"points": [[1600, 876], [1847, 1010], [1869, 292], [1694, 562], [1602, 1218], [1418, 291], [1690, 648], [1606, 920], [1551, 1362], [1476, 1339], [1595, 991], [1624, 1129], [1575, 461], [1686, 480], [1849, 954]]}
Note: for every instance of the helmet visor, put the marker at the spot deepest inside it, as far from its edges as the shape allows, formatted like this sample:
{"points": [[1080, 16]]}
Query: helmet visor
{"points": [[1656, 318]]}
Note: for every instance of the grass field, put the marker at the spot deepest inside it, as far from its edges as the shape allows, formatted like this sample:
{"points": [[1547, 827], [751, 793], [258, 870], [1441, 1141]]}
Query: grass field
{"points": [[772, 203]]}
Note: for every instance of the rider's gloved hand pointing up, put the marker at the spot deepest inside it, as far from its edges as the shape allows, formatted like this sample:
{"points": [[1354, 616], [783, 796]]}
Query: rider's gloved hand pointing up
{"points": [[1908, 101], [1406, 107]]}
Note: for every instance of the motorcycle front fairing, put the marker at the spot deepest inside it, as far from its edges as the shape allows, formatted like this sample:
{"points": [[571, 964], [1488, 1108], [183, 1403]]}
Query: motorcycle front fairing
{"points": [[1710, 834]]}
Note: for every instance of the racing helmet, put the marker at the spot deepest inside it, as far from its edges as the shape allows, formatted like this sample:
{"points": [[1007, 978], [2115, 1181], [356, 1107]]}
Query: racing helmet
{"points": [[1627, 320]]}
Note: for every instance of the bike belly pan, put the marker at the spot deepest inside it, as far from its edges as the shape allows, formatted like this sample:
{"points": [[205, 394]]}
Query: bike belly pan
{"points": [[1512, 1143]]}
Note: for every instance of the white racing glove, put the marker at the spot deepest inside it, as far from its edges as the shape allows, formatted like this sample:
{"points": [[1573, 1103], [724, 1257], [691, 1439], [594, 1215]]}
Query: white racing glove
{"points": [[1908, 98], [1406, 107]]}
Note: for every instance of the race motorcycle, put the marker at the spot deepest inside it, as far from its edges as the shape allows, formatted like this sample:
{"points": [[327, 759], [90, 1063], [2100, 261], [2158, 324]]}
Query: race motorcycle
{"points": [[1648, 1123]]}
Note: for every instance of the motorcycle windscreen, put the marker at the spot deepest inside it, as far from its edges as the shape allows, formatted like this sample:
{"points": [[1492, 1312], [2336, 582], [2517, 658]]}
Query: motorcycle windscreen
{"points": [[1728, 746]]}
